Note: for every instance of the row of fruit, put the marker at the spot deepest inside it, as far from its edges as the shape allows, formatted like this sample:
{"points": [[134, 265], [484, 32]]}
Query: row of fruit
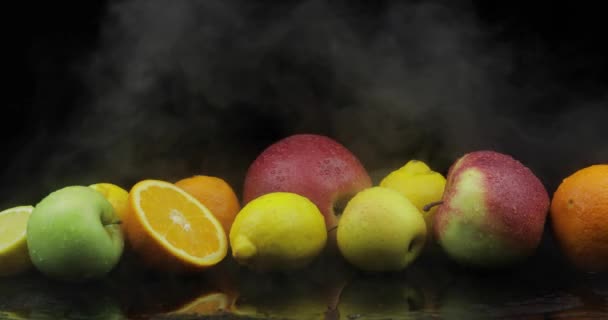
{"points": [[302, 195]]}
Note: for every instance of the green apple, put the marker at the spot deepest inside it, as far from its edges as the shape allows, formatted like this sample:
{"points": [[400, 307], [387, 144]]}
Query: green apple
{"points": [[74, 234], [381, 230]]}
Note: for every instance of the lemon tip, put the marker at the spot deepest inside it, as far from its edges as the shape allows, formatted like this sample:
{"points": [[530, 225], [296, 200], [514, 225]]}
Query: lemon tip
{"points": [[243, 248]]}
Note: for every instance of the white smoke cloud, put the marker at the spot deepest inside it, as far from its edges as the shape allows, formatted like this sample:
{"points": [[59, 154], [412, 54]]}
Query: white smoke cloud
{"points": [[178, 88]]}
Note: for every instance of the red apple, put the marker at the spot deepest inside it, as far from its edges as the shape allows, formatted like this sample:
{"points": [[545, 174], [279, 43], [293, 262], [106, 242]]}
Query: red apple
{"points": [[314, 166], [493, 212]]}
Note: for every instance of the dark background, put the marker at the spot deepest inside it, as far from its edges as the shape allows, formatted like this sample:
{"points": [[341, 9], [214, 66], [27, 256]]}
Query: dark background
{"points": [[122, 91]]}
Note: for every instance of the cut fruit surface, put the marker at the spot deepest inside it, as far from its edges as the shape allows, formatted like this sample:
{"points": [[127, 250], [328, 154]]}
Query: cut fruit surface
{"points": [[14, 256], [170, 229]]}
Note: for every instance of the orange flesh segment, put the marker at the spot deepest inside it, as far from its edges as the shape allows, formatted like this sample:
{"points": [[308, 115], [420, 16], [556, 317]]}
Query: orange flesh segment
{"points": [[180, 222]]}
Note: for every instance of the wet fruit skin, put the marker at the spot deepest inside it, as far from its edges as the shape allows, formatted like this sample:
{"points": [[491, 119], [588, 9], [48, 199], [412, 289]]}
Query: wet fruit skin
{"points": [[493, 212], [278, 231], [314, 166], [419, 184], [381, 230], [73, 235], [579, 218]]}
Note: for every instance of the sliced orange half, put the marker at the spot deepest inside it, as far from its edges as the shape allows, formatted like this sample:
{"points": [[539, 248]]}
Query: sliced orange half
{"points": [[171, 230]]}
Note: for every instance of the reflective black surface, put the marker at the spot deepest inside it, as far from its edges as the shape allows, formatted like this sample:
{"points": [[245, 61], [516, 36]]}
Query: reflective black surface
{"points": [[542, 287], [428, 80]]}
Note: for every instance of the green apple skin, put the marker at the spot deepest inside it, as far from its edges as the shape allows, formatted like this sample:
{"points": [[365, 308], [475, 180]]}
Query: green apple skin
{"points": [[493, 212], [73, 234]]}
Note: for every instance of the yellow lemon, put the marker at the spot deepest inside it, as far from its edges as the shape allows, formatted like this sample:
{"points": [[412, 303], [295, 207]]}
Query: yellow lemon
{"points": [[419, 184], [278, 231], [14, 256], [117, 196]]}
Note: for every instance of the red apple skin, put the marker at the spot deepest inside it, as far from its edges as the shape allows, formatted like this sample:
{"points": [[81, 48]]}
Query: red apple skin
{"points": [[511, 205], [314, 166]]}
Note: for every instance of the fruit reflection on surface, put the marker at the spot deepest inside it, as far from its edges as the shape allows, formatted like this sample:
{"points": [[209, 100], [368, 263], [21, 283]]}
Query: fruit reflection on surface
{"points": [[172, 231], [579, 216], [215, 194], [73, 234], [502, 296], [378, 297], [419, 184], [149, 294], [493, 212], [423, 291], [275, 296], [37, 297], [381, 230], [206, 304], [316, 167], [278, 231], [14, 255]]}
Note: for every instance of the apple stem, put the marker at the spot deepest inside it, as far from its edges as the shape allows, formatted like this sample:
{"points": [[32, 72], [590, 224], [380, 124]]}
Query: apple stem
{"points": [[429, 206], [332, 228]]}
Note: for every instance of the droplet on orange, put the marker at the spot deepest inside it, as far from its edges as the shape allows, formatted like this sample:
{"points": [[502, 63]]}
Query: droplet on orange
{"points": [[171, 230]]}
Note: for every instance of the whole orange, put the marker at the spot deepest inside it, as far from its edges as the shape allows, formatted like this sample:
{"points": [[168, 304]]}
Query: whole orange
{"points": [[579, 216], [215, 194]]}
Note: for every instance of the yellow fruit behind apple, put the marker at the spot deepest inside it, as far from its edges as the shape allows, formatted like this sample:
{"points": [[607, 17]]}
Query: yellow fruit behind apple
{"points": [[116, 195], [419, 184]]}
